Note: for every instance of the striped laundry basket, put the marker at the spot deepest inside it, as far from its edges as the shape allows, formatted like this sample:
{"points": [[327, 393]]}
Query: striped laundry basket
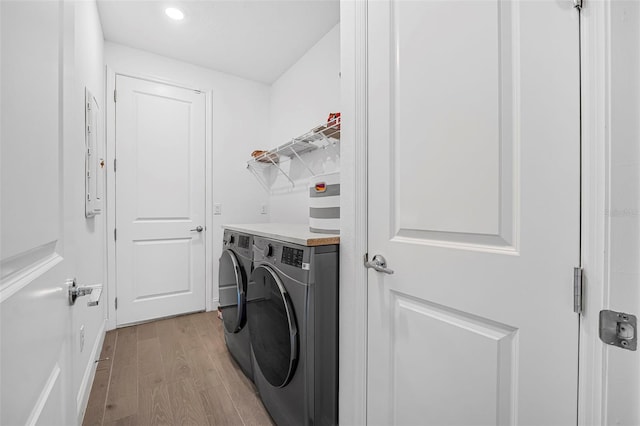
{"points": [[324, 203]]}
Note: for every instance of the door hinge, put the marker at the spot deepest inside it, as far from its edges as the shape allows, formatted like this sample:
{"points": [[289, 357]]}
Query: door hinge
{"points": [[115, 161], [577, 4], [116, 303], [115, 234], [577, 290], [115, 96]]}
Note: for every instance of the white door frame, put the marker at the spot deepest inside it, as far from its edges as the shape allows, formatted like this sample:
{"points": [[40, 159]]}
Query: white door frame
{"points": [[352, 395], [595, 192], [111, 187]]}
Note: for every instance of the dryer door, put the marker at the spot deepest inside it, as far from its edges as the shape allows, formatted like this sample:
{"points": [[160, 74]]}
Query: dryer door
{"points": [[272, 326], [232, 291]]}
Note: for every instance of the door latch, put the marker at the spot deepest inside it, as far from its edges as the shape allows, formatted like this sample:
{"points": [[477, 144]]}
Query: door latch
{"points": [[619, 329]]}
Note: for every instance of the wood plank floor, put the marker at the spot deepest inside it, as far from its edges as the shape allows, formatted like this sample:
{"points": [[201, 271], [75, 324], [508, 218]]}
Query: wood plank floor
{"points": [[175, 371]]}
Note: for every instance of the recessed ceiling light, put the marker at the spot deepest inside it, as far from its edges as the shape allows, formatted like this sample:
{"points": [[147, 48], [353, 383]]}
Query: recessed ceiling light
{"points": [[174, 13]]}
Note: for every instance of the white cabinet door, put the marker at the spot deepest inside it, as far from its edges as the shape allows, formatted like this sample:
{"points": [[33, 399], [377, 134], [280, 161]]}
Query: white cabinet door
{"points": [[36, 242], [474, 185], [160, 200]]}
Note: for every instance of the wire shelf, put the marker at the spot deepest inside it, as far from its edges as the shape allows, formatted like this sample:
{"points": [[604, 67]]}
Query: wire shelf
{"points": [[267, 165]]}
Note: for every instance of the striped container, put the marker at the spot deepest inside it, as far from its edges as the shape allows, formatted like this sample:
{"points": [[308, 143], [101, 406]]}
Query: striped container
{"points": [[324, 203]]}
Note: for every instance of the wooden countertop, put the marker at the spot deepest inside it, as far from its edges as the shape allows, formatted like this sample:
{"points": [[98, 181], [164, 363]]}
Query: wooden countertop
{"points": [[288, 232]]}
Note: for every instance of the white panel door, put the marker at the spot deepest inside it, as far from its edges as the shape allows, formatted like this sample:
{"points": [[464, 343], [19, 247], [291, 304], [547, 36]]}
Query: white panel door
{"points": [[36, 251], [474, 202], [160, 200]]}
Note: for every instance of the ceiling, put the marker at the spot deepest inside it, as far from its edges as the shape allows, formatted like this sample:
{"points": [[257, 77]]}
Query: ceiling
{"points": [[254, 39]]}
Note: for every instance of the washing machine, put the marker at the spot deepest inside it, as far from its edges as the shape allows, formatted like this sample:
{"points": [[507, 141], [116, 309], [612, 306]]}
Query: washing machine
{"points": [[234, 273], [292, 311]]}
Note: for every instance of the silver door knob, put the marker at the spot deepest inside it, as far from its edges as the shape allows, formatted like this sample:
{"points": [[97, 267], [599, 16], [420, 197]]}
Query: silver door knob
{"points": [[75, 291], [197, 229], [379, 263]]}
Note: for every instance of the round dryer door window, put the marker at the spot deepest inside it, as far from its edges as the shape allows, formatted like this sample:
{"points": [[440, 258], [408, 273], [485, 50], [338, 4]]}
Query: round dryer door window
{"points": [[272, 326], [232, 291]]}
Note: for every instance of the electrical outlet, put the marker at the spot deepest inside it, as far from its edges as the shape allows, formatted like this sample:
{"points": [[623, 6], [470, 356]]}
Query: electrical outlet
{"points": [[217, 209], [264, 209], [81, 337]]}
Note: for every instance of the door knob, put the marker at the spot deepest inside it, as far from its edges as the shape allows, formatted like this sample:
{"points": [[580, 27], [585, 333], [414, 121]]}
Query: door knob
{"points": [[75, 291], [379, 263], [197, 229]]}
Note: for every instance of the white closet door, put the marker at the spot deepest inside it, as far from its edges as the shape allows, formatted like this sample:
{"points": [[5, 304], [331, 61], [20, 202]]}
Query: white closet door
{"points": [[39, 191], [474, 166], [160, 200]]}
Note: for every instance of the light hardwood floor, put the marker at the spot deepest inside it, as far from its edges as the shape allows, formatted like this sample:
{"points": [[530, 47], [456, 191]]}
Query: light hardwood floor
{"points": [[174, 371]]}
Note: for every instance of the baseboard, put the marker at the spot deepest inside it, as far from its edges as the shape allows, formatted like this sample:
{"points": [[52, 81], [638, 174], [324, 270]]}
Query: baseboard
{"points": [[89, 374], [214, 305]]}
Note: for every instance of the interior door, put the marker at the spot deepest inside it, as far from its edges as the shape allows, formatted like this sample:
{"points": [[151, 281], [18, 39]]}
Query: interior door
{"points": [[36, 251], [474, 154], [160, 200]]}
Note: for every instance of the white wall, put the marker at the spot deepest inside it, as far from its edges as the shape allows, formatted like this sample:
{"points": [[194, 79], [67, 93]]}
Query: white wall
{"points": [[240, 117], [90, 244], [301, 99]]}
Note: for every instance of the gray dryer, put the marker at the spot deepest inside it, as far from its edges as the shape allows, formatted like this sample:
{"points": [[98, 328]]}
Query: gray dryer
{"points": [[292, 311]]}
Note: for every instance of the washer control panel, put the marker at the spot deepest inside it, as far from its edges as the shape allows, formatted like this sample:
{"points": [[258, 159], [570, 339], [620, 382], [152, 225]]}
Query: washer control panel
{"points": [[239, 243], [243, 241], [292, 256]]}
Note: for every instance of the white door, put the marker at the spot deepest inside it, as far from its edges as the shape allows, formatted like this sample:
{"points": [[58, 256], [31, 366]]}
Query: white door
{"points": [[474, 202], [36, 252], [160, 200]]}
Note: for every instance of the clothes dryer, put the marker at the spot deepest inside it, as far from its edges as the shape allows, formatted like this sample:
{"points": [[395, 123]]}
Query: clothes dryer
{"points": [[234, 273], [292, 310]]}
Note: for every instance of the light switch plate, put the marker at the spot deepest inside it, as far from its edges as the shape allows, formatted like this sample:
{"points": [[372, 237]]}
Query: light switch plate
{"points": [[217, 209]]}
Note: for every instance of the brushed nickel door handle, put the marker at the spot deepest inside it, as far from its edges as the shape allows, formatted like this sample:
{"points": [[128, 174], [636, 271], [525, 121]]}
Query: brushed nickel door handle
{"points": [[379, 263]]}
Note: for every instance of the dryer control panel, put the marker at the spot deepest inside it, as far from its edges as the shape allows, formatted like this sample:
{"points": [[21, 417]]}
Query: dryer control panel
{"points": [[292, 256]]}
